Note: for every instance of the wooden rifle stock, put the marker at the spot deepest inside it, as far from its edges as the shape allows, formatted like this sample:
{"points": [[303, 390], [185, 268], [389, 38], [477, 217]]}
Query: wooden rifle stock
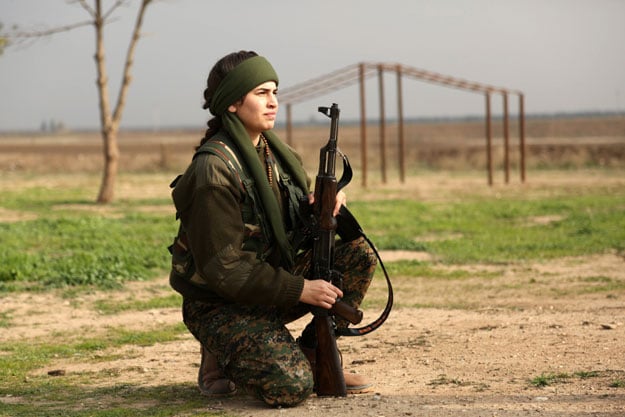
{"points": [[329, 378]]}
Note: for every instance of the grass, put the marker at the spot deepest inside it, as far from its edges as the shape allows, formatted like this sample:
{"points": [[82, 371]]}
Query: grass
{"points": [[82, 250], [71, 242], [494, 230], [544, 380], [548, 379], [444, 380], [70, 246]]}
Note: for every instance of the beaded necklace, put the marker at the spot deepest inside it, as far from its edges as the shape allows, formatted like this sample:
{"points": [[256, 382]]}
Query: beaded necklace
{"points": [[268, 159]]}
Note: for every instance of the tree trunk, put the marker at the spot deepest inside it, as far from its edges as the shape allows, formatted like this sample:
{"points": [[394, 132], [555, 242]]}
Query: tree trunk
{"points": [[110, 121], [111, 164], [111, 152]]}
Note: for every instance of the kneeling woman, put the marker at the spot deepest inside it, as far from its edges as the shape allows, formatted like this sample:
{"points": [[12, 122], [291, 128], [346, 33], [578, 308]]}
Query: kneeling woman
{"points": [[234, 258]]}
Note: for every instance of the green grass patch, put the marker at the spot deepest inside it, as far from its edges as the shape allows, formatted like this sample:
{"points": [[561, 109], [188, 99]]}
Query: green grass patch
{"points": [[75, 242], [544, 380], [587, 374], [72, 242], [619, 383], [83, 250], [496, 230]]}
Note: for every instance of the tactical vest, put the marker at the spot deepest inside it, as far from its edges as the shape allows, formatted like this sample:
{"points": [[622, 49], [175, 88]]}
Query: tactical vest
{"points": [[258, 235]]}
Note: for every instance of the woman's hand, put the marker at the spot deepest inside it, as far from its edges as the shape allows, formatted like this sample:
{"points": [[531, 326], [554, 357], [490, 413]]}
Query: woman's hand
{"points": [[320, 293], [341, 200]]}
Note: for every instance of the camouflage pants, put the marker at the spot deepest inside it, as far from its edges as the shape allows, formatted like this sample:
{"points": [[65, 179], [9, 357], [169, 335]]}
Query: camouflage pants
{"points": [[252, 345]]}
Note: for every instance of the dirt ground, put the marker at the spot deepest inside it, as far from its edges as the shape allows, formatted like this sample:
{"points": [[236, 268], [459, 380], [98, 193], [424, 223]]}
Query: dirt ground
{"points": [[424, 361]]}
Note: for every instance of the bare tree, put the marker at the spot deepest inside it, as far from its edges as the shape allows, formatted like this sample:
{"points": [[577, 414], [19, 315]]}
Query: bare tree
{"points": [[110, 118]]}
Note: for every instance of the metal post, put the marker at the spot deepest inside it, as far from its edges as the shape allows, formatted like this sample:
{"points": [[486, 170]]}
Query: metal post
{"points": [[489, 157], [382, 124], [522, 135], [289, 126], [363, 124], [506, 139], [400, 126]]}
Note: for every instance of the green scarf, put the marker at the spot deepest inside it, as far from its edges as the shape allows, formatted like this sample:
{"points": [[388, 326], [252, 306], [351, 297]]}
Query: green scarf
{"points": [[237, 83]]}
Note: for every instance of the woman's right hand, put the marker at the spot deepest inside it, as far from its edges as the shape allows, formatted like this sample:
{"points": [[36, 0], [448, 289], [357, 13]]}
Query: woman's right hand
{"points": [[320, 293]]}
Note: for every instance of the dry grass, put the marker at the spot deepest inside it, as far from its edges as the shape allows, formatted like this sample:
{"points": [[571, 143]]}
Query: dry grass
{"points": [[551, 143]]}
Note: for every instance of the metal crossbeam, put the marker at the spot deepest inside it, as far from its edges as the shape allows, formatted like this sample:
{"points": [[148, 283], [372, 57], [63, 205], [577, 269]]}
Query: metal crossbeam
{"points": [[358, 73]]}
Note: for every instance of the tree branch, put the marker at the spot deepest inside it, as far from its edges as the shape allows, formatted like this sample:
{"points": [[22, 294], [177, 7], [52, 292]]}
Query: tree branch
{"points": [[85, 6], [127, 77], [114, 7], [48, 32], [22, 37], [102, 80]]}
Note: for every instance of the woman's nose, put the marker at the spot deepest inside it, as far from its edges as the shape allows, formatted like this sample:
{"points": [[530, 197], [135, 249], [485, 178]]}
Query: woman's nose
{"points": [[273, 99]]}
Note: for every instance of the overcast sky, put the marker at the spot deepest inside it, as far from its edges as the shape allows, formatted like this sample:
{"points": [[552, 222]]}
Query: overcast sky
{"points": [[565, 55]]}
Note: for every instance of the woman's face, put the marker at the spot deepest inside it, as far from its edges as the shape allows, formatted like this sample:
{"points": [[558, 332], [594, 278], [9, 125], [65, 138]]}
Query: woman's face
{"points": [[258, 109]]}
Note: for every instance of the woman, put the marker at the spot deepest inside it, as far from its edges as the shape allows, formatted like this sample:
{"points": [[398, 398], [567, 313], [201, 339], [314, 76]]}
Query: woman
{"points": [[236, 260]]}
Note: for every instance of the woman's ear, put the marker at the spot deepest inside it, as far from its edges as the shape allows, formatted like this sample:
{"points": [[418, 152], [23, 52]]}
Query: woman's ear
{"points": [[232, 108]]}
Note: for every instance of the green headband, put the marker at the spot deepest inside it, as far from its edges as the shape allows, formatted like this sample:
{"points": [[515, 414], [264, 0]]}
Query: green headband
{"points": [[241, 80]]}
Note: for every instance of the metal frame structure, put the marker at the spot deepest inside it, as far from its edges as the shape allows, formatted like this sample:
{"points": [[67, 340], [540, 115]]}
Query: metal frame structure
{"points": [[358, 73]]}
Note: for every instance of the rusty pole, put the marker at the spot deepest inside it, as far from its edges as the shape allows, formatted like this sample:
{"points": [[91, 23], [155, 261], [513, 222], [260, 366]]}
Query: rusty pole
{"points": [[289, 125], [363, 124], [382, 124], [489, 157], [400, 126], [522, 135], [506, 139]]}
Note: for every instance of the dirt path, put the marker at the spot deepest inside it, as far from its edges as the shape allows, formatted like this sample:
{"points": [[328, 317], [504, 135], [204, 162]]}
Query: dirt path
{"points": [[433, 361]]}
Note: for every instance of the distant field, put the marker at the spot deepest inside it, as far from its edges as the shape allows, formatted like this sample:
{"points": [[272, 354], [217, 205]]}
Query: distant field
{"points": [[551, 143]]}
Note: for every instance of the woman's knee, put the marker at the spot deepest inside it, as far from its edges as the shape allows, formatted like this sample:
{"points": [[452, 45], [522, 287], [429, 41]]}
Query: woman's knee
{"points": [[287, 390], [278, 373]]}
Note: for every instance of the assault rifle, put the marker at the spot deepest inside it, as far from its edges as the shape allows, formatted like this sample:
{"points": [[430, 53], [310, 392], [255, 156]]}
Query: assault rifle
{"points": [[329, 379], [328, 372]]}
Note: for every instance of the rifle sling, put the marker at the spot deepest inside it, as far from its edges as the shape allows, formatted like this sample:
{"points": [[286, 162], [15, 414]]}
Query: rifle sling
{"points": [[348, 222], [346, 177]]}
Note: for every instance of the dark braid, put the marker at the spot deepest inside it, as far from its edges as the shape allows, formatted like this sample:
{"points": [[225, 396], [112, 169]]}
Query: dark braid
{"points": [[216, 75]]}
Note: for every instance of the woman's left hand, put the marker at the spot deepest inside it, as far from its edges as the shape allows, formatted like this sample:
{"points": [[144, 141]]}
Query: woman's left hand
{"points": [[341, 200]]}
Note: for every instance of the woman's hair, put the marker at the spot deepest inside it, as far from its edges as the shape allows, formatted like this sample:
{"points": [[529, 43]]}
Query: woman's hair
{"points": [[216, 75]]}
